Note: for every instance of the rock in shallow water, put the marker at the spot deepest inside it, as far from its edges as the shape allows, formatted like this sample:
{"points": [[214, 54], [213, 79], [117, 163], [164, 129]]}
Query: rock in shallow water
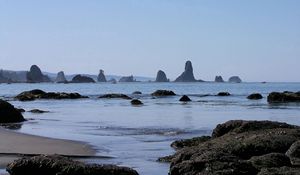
{"points": [[39, 94], [58, 165], [9, 114], [255, 96], [238, 147], [136, 102], [163, 93], [223, 94], [122, 96], [278, 97], [185, 98]]}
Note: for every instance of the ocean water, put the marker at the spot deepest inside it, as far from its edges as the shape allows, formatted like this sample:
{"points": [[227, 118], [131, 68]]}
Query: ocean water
{"points": [[138, 136]]}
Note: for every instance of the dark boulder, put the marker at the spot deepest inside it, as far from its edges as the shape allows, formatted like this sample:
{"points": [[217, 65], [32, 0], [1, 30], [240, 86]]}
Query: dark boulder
{"points": [[188, 74], [238, 147], [60, 78], [136, 102], [219, 79], [35, 75], [161, 76], [255, 96], [101, 77], [223, 94], [39, 94], [185, 98], [58, 165], [127, 79], [163, 93], [122, 96], [234, 79], [283, 97], [82, 79], [9, 114]]}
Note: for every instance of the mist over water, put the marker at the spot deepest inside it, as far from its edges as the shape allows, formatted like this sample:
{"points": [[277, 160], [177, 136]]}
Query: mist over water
{"points": [[137, 136]]}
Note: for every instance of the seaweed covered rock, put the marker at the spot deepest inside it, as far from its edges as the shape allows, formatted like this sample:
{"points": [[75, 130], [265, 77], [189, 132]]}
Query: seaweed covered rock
{"points": [[113, 95], [55, 165], [283, 97], [163, 93], [255, 96], [9, 114], [39, 94], [238, 147]]}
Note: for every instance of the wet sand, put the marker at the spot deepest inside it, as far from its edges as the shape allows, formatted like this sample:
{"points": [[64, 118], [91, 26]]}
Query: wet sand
{"points": [[13, 145]]}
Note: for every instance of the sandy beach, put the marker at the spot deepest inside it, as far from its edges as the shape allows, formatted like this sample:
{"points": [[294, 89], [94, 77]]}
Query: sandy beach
{"points": [[14, 144]]}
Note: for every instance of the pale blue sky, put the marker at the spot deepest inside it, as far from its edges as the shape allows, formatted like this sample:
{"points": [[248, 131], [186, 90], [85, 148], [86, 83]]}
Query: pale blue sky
{"points": [[258, 40]]}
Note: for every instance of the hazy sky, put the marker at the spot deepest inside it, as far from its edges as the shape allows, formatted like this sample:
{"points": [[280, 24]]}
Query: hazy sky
{"points": [[258, 40]]}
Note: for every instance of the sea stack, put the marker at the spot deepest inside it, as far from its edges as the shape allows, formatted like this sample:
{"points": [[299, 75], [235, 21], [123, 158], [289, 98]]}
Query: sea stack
{"points": [[187, 75], [82, 79], [219, 79], [234, 79], [60, 78], [101, 76], [161, 76], [127, 79], [35, 75]]}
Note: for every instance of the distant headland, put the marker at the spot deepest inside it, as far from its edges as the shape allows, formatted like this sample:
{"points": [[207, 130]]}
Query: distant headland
{"points": [[36, 75]]}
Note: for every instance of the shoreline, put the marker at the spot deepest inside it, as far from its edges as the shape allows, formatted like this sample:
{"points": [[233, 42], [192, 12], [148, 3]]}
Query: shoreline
{"points": [[15, 145]]}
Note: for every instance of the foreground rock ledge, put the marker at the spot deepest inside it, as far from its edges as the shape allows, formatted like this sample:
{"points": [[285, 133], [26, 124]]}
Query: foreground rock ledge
{"points": [[58, 165], [39, 94], [9, 114], [240, 147]]}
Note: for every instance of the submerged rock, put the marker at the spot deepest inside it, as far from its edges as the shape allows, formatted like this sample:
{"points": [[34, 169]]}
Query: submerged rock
{"points": [[161, 76], [223, 94], [255, 96], [35, 75], [39, 94], [58, 165], [278, 97], [163, 93], [238, 147], [137, 92], [60, 78], [185, 98], [82, 79], [127, 79], [101, 77], [219, 79], [187, 75], [37, 111], [234, 79], [9, 114], [122, 96], [136, 102]]}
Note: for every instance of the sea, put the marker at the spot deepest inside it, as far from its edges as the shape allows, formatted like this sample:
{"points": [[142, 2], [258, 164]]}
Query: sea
{"points": [[136, 136]]}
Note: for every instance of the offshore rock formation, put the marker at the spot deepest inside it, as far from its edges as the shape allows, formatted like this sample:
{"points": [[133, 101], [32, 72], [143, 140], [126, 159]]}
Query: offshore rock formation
{"points": [[82, 79], [35, 75], [60, 78], [219, 79], [161, 76], [9, 114], [101, 76], [161, 93], [240, 147], [187, 75], [284, 97], [39, 94], [127, 79], [55, 165], [235, 79]]}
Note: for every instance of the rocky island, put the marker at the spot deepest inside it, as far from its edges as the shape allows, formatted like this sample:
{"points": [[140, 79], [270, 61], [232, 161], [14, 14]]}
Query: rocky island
{"points": [[188, 74]]}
